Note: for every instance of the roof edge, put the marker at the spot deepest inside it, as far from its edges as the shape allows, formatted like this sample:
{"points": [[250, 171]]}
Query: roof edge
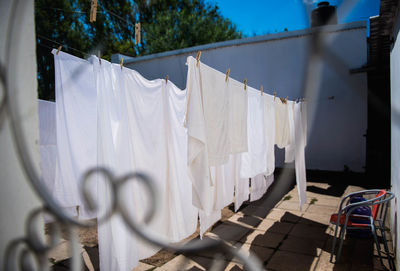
{"points": [[115, 58]]}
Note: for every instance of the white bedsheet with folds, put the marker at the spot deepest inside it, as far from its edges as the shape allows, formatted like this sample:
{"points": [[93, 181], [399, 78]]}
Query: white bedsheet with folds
{"points": [[76, 122]]}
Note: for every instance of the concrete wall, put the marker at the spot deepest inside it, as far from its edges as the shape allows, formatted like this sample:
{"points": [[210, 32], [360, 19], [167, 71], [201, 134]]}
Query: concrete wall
{"points": [[16, 196], [279, 62], [395, 137]]}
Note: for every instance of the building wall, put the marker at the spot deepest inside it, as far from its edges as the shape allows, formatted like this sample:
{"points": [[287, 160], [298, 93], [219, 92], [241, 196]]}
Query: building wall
{"points": [[395, 138], [279, 62], [16, 196]]}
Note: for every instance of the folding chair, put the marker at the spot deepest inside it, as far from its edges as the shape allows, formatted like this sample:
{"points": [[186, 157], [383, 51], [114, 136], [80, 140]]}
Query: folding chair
{"points": [[346, 219]]}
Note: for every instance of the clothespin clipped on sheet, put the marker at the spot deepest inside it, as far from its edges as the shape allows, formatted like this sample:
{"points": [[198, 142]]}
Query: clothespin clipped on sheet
{"points": [[228, 71], [99, 56], [274, 95], [59, 49], [198, 57], [245, 84], [261, 90], [93, 11], [286, 99], [137, 33], [166, 79], [121, 62]]}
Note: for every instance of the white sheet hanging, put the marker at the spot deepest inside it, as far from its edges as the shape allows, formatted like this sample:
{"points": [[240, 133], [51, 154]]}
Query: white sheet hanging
{"points": [[282, 129], [269, 124], [254, 161], [76, 119], [258, 187], [141, 129], [300, 135], [207, 220], [212, 129], [48, 142], [290, 149]]}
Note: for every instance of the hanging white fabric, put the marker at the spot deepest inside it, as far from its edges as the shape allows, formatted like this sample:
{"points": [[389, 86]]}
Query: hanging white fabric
{"points": [[140, 126], [290, 149], [48, 142], [269, 124], [213, 127], [76, 121], [254, 161], [48, 146], [300, 135], [282, 129], [208, 220]]}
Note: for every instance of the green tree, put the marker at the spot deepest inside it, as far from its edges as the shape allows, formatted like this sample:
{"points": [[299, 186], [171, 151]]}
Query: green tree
{"points": [[166, 25]]}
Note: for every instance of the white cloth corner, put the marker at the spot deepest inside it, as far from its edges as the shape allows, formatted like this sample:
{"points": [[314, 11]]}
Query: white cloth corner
{"points": [[254, 161], [282, 129], [290, 149], [300, 166], [269, 124]]}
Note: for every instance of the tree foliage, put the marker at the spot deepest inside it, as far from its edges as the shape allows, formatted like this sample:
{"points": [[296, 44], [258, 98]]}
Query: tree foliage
{"points": [[166, 25]]}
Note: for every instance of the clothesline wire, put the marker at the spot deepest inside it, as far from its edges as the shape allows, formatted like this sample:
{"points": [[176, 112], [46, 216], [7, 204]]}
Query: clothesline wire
{"points": [[56, 42]]}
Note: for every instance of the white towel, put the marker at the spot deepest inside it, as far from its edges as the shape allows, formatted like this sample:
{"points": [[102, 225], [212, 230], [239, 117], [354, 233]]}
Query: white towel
{"points": [[215, 127], [290, 149], [254, 161], [282, 130], [269, 124]]}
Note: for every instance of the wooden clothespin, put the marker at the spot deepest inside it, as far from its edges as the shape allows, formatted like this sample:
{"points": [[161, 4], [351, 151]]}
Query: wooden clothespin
{"points": [[228, 71], [93, 11], [166, 79], [261, 90], [121, 62], [198, 57], [137, 33], [59, 49], [286, 99], [245, 83], [99, 56], [274, 95]]}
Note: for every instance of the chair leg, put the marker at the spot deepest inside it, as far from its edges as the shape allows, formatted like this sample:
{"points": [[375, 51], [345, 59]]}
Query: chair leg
{"points": [[385, 245], [342, 232], [378, 247], [334, 243]]}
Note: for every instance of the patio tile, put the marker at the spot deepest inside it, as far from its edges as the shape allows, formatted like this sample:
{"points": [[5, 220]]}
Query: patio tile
{"points": [[315, 219], [321, 209], [309, 231], [325, 265], [284, 260], [275, 226], [291, 205], [229, 232], [250, 222], [255, 211], [299, 245], [267, 239], [262, 253], [181, 263], [143, 267]]}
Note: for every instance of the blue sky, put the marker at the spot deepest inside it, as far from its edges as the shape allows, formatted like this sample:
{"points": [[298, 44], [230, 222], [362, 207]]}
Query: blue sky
{"points": [[258, 17]]}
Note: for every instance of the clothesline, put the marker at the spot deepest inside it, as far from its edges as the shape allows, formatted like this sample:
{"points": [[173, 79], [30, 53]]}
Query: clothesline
{"points": [[118, 119]]}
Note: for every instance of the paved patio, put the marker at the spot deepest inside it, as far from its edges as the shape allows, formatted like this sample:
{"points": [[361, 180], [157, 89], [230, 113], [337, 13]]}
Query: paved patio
{"points": [[283, 237]]}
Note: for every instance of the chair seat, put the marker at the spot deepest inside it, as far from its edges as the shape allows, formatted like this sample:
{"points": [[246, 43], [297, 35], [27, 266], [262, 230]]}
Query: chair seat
{"points": [[350, 223]]}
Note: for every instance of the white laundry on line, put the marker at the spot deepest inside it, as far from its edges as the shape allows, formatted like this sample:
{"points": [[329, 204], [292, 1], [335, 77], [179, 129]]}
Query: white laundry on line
{"points": [[213, 126], [76, 122]]}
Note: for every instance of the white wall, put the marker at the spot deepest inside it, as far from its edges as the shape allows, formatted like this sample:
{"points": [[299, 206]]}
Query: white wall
{"points": [[278, 62], [16, 196], [395, 138]]}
